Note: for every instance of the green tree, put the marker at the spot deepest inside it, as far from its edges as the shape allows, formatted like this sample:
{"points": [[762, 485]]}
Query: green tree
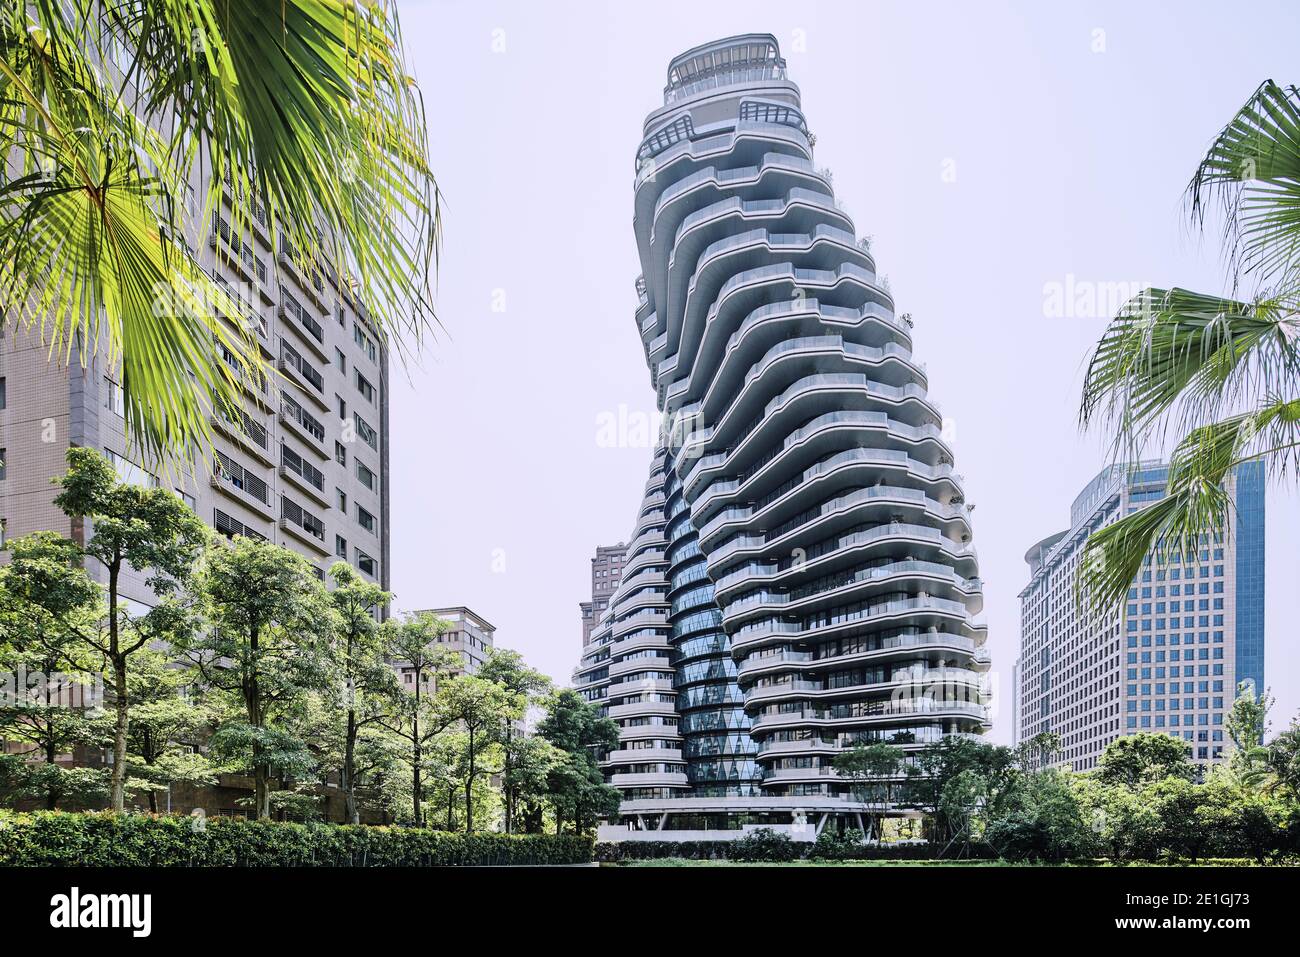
{"points": [[153, 532], [1134, 760], [267, 647], [1282, 758], [952, 777], [412, 645], [480, 711], [168, 726], [1188, 816], [47, 605], [365, 678], [1220, 375], [577, 789], [532, 759], [868, 765], [507, 669], [300, 114], [1246, 725], [1038, 752], [1044, 820]]}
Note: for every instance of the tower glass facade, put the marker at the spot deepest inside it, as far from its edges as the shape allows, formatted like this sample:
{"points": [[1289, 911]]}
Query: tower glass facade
{"points": [[1171, 658]]}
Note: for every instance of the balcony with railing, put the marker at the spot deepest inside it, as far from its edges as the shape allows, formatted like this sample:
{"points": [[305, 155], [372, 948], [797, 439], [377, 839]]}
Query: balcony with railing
{"points": [[302, 321], [303, 474], [303, 422], [306, 273], [247, 315], [239, 251], [232, 478], [302, 524], [293, 362]]}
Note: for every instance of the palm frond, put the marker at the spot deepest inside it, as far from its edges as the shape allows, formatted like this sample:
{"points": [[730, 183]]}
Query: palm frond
{"points": [[1180, 358], [89, 258], [1253, 170], [304, 109], [299, 113], [1197, 504]]}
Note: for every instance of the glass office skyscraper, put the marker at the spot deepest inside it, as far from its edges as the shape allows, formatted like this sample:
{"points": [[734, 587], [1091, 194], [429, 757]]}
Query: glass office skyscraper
{"points": [[1171, 658], [801, 578]]}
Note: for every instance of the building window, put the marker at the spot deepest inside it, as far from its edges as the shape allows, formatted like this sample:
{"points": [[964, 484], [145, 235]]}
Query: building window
{"points": [[342, 500], [365, 476], [366, 520], [366, 433], [116, 398], [341, 359], [4, 464], [365, 388], [340, 453], [340, 546], [131, 473], [367, 564], [343, 407], [4, 399], [366, 344]]}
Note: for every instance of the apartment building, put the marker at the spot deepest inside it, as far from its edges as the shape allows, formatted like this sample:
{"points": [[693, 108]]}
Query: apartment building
{"points": [[606, 573], [471, 636], [306, 465], [801, 576], [1170, 659]]}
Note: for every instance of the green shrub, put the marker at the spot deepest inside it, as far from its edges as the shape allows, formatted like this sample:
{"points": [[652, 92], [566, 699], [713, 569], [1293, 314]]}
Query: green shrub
{"points": [[766, 844], [831, 846], [612, 852], [761, 847], [57, 839]]}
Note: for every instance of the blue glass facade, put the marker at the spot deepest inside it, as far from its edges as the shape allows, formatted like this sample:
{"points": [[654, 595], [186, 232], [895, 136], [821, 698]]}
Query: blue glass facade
{"points": [[1249, 530], [716, 744]]}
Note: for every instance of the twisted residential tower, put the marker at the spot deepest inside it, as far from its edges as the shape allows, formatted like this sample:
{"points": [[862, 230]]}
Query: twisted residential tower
{"points": [[801, 578]]}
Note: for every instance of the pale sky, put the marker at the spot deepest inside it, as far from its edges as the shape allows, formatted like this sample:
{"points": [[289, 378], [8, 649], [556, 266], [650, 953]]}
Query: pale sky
{"points": [[990, 149]]}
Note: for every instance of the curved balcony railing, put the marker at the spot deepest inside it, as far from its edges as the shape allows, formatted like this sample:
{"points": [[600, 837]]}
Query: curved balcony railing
{"points": [[757, 662]]}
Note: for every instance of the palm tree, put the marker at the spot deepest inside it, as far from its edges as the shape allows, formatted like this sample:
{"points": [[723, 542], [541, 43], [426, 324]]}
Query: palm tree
{"points": [[300, 111], [1219, 376]]}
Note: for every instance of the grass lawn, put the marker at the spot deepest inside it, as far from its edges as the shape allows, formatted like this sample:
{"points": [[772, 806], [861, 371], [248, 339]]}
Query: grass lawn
{"points": [[684, 862]]}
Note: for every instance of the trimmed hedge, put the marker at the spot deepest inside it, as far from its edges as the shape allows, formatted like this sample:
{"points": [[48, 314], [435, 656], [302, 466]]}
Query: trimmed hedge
{"points": [[58, 839], [768, 846]]}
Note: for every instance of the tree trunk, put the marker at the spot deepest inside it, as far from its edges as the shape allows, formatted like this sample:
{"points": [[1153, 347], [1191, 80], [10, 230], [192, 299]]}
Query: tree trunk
{"points": [[117, 791], [261, 769], [261, 790], [51, 797], [506, 787], [469, 786], [415, 752], [349, 781], [415, 783]]}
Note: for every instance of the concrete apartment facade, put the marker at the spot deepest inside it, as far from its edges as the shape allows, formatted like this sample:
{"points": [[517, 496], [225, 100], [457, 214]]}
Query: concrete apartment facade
{"points": [[1171, 658], [801, 576], [471, 636], [307, 467], [606, 573]]}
